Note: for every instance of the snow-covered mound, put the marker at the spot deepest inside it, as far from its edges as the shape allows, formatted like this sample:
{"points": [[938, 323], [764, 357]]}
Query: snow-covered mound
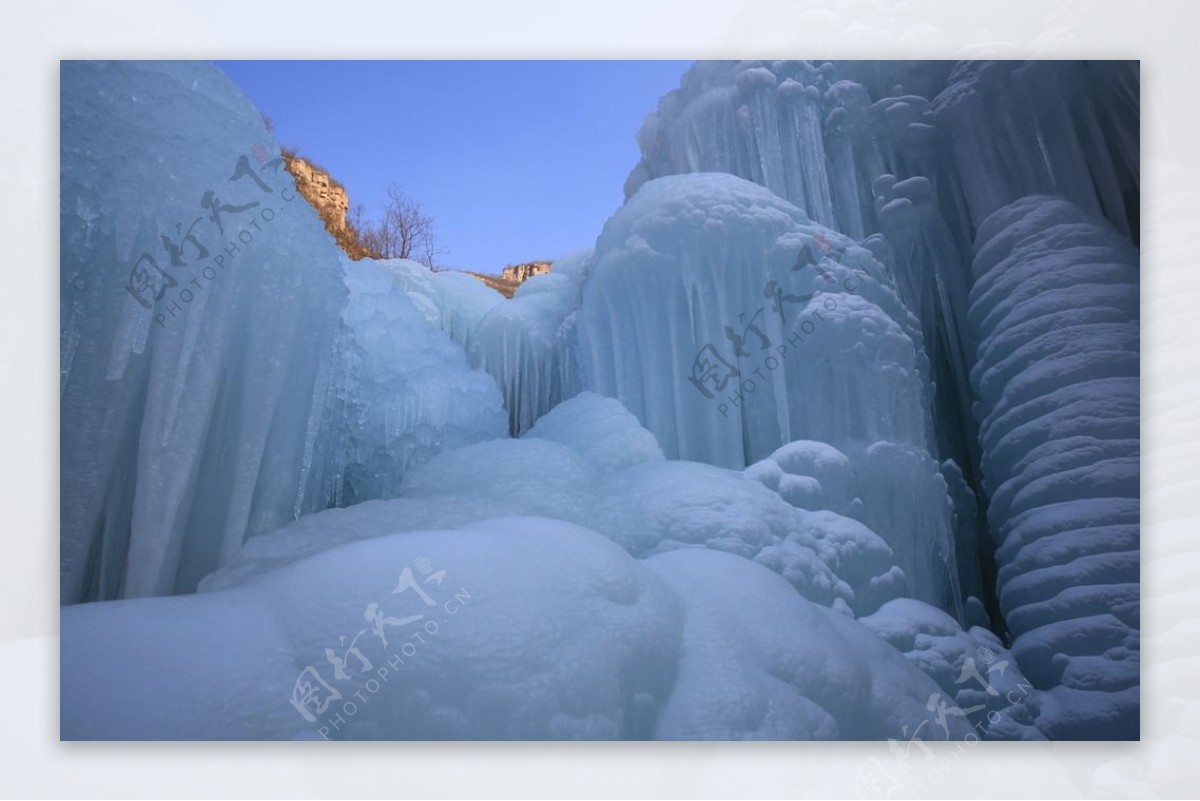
{"points": [[751, 667], [222, 372], [514, 629], [811, 475], [518, 628], [1055, 310], [972, 667], [644, 504], [601, 429]]}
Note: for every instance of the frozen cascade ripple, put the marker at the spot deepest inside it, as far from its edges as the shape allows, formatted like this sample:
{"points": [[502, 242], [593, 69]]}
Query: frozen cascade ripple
{"points": [[1055, 309]]}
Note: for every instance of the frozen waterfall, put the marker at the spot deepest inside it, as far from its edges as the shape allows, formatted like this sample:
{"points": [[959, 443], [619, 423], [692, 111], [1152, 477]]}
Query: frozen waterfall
{"points": [[839, 410]]}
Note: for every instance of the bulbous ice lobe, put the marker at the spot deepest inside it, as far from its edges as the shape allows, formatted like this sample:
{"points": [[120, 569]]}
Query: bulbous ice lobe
{"points": [[731, 325]]}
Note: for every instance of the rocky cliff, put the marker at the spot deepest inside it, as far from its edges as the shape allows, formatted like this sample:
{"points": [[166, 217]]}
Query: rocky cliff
{"points": [[332, 203], [330, 199]]}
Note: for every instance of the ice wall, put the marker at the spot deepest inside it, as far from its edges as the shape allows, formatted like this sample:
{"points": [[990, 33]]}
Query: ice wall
{"points": [[199, 308], [403, 390], [1068, 128], [1055, 311], [214, 382], [452, 301], [527, 342], [909, 158], [730, 324], [986, 132]]}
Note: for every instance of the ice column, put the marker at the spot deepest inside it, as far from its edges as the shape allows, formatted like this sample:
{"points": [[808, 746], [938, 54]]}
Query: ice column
{"points": [[1055, 309]]}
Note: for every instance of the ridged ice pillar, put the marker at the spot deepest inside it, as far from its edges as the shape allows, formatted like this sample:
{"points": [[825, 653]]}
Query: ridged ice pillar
{"points": [[1054, 309]]}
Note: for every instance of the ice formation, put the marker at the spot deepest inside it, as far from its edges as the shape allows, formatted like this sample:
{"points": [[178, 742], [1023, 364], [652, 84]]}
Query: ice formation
{"points": [[832, 434], [914, 158], [405, 393], [1055, 309], [972, 667], [730, 325], [526, 344], [707, 612], [221, 368], [192, 350], [590, 463], [452, 301]]}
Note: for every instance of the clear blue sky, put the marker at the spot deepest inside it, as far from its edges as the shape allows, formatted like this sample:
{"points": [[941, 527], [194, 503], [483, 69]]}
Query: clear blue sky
{"points": [[515, 160]]}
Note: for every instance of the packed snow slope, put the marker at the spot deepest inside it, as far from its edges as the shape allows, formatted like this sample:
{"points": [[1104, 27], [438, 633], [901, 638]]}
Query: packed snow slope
{"points": [[528, 628], [550, 603]]}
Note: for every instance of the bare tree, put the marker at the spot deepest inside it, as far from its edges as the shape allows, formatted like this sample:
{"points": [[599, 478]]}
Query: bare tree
{"points": [[404, 232]]}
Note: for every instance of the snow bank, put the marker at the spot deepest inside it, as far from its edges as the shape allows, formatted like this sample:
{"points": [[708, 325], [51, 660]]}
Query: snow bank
{"points": [[513, 629], [759, 662], [645, 505], [600, 429], [517, 628]]}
